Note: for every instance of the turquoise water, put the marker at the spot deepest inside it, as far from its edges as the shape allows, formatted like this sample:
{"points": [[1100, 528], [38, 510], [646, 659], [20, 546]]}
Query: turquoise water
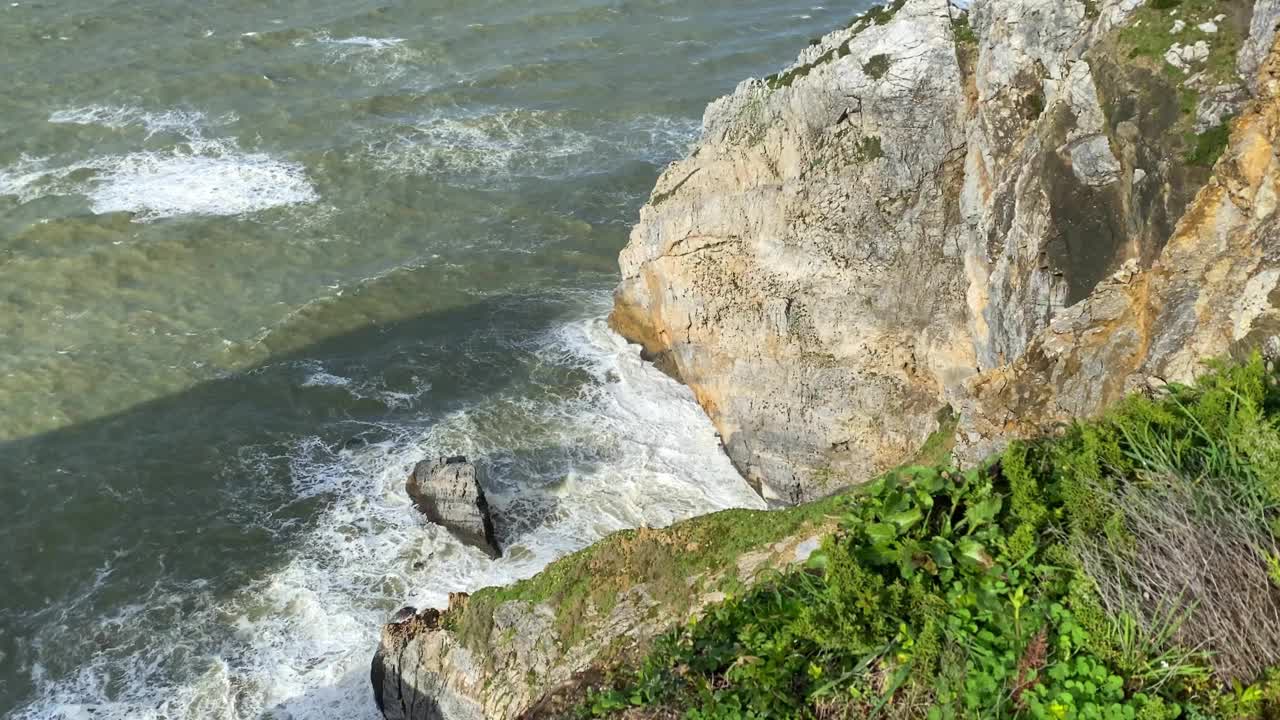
{"points": [[257, 258]]}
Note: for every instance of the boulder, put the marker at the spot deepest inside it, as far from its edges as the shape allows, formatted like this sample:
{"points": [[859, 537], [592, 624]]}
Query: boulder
{"points": [[448, 492]]}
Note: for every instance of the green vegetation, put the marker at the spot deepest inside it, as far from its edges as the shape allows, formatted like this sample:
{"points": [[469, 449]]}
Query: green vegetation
{"points": [[939, 445], [879, 15], [1150, 34], [963, 31], [868, 148], [662, 560], [1209, 145], [1125, 569], [877, 66]]}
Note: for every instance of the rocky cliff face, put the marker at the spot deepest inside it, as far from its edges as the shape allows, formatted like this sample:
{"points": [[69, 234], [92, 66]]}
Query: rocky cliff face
{"points": [[880, 231]]}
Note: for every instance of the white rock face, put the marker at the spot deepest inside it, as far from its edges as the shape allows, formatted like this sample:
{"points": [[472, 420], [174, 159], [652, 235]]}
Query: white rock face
{"points": [[1262, 33], [816, 223]]}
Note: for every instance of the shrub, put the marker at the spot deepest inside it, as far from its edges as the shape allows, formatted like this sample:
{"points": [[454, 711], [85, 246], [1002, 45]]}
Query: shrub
{"points": [[1126, 569]]}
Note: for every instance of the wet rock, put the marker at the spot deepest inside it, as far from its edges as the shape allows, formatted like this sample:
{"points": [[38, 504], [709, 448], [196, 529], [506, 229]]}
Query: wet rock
{"points": [[448, 492]]}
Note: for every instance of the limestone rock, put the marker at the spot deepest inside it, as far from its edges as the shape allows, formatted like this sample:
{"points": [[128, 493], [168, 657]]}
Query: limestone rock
{"points": [[1262, 33], [845, 248], [800, 269], [448, 492]]}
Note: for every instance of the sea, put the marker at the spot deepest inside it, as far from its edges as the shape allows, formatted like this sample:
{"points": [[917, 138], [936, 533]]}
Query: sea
{"points": [[260, 257]]}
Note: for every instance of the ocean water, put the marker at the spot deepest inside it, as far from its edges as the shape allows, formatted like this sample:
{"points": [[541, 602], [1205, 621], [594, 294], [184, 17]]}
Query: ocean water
{"points": [[258, 257]]}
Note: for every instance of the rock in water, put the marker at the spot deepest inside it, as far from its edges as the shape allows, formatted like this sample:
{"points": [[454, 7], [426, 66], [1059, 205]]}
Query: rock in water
{"points": [[448, 493]]}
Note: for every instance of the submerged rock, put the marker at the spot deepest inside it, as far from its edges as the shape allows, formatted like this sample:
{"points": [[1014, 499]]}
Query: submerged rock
{"points": [[448, 492]]}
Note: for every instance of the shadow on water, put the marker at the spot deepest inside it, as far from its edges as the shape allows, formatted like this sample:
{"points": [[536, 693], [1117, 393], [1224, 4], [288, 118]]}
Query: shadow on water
{"points": [[195, 491]]}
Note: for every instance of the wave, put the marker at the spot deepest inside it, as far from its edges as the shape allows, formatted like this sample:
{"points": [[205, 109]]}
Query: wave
{"points": [[495, 144], [190, 124], [212, 178], [194, 176]]}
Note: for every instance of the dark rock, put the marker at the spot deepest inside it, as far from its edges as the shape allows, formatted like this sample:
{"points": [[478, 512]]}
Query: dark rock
{"points": [[448, 492]]}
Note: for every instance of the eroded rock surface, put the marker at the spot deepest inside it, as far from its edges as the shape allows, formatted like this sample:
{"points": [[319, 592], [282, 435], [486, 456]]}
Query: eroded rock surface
{"points": [[910, 206], [517, 659], [447, 490]]}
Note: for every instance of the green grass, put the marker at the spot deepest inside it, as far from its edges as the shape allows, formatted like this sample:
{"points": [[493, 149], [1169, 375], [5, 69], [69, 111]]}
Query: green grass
{"points": [[1022, 589], [1149, 34], [879, 15], [1209, 145], [662, 560]]}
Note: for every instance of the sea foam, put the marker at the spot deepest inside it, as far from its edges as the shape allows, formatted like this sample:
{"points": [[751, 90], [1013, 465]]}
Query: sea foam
{"points": [[194, 175]]}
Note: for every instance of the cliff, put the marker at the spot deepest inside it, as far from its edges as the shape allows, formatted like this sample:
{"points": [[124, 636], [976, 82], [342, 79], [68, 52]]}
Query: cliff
{"points": [[938, 227], [869, 241]]}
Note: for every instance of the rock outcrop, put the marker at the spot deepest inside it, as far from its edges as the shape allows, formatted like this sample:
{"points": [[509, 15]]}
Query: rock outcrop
{"points": [[1213, 291], [858, 240], [520, 652], [448, 492]]}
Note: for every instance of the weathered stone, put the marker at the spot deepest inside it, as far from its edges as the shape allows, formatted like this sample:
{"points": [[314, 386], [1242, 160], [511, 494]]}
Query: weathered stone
{"points": [[1214, 290], [1262, 33], [842, 252], [448, 492], [800, 269], [423, 672]]}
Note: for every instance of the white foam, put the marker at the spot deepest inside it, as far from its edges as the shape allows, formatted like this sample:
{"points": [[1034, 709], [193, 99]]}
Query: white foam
{"points": [[196, 176], [501, 143], [376, 390], [29, 178], [378, 60], [320, 378], [155, 185], [362, 41], [635, 450], [187, 123]]}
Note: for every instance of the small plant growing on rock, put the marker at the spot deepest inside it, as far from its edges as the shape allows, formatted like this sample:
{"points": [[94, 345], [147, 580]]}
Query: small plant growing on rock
{"points": [[877, 66]]}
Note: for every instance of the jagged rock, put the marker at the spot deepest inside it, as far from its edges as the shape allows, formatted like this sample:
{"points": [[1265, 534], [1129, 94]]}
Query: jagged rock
{"points": [[794, 331], [839, 243], [1262, 33], [448, 492], [1214, 290]]}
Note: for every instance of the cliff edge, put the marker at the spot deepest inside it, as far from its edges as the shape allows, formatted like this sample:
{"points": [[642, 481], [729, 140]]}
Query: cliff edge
{"points": [[862, 245]]}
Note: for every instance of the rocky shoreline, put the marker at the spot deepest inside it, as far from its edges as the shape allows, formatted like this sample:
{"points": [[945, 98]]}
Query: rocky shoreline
{"points": [[937, 228]]}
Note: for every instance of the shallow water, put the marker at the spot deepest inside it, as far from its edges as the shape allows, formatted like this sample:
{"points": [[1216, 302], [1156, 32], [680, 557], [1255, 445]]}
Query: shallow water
{"points": [[258, 257]]}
